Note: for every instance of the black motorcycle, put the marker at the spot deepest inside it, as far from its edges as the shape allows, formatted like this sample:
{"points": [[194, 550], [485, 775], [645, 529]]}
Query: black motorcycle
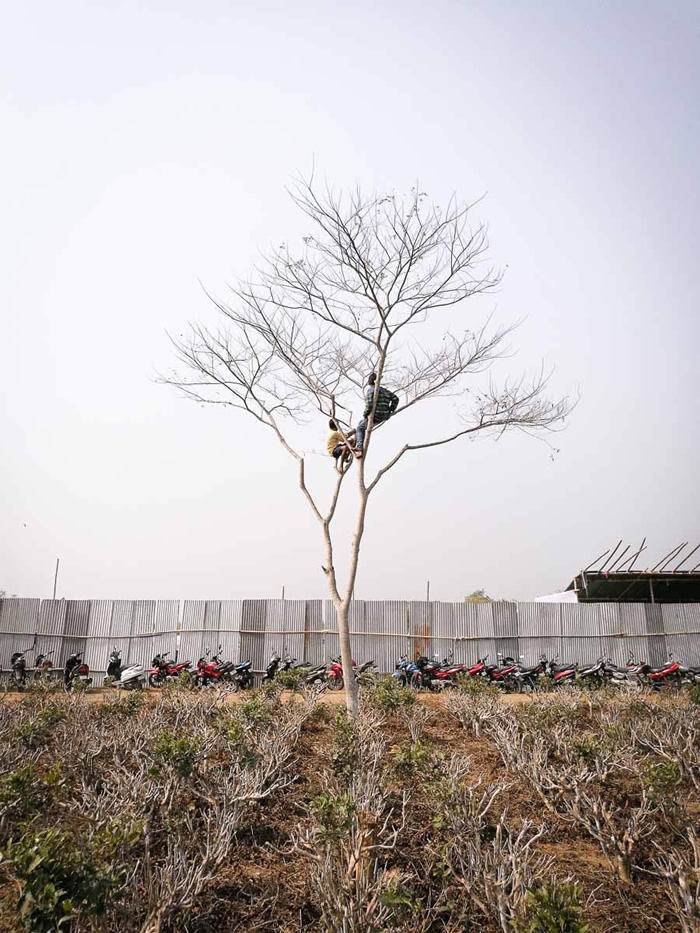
{"points": [[114, 665], [19, 669], [277, 666], [76, 672], [243, 675], [272, 668]]}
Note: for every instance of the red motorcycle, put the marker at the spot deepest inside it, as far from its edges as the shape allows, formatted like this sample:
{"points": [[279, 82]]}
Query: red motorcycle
{"points": [[502, 674], [334, 674], [211, 671], [162, 669], [656, 677], [441, 675]]}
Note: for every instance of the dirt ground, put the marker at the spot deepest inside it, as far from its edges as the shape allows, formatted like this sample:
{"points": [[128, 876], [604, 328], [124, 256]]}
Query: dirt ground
{"points": [[267, 884]]}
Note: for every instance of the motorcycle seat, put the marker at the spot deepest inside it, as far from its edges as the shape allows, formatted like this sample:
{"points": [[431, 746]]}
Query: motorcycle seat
{"points": [[244, 665]]}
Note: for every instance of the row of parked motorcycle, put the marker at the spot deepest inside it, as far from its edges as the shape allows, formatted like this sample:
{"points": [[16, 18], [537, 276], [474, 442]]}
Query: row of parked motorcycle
{"points": [[75, 671], [210, 670], [512, 676], [507, 674]]}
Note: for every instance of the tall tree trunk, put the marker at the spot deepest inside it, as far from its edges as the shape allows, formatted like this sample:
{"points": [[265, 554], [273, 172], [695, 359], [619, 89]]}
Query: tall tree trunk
{"points": [[351, 692]]}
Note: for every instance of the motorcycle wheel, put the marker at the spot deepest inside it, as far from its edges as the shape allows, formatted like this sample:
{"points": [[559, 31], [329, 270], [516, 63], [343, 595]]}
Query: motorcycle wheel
{"points": [[154, 681], [336, 683], [416, 682]]}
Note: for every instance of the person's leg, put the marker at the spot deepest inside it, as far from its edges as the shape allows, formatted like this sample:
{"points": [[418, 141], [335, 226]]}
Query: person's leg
{"points": [[360, 436]]}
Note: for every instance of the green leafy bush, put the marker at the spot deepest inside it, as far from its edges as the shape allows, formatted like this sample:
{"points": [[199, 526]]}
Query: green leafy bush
{"points": [[334, 815], [58, 881], [125, 705], [26, 790], [37, 731], [291, 680], [476, 686], [183, 683], [662, 780], [180, 754], [693, 693], [554, 907], [389, 696], [411, 759], [255, 711], [344, 754]]}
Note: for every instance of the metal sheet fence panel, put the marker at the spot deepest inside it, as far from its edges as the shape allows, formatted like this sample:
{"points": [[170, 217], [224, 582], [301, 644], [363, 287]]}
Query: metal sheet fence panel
{"points": [[505, 621], [692, 621], [294, 628], [313, 640], [120, 629], [656, 639], [580, 634], [420, 619], [389, 622], [684, 644], [540, 630], [77, 616], [142, 629], [274, 630], [382, 630], [51, 627], [229, 637], [167, 617], [192, 635], [624, 628], [673, 618], [330, 646], [357, 626], [443, 628], [482, 632], [253, 624], [18, 624], [97, 645]]}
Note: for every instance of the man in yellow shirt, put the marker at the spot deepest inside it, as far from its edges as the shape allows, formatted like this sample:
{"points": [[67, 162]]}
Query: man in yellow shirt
{"points": [[338, 446]]}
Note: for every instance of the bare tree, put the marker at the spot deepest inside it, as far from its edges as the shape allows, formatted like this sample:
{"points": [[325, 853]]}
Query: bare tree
{"points": [[301, 335]]}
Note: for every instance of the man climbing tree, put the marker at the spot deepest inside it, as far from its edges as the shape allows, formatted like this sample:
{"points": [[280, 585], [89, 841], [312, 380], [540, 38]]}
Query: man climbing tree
{"points": [[387, 403], [299, 334]]}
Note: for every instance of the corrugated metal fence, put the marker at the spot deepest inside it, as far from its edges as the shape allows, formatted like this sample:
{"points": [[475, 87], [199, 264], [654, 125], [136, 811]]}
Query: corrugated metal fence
{"points": [[306, 629]]}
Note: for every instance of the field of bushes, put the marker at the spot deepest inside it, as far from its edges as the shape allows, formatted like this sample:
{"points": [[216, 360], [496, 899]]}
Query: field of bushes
{"points": [[571, 812]]}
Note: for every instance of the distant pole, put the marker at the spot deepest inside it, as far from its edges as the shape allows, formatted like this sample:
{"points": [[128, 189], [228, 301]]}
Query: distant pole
{"points": [[427, 592], [283, 591], [55, 577]]}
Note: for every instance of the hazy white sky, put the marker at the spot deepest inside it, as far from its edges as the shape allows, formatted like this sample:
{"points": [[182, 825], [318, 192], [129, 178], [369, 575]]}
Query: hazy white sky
{"points": [[146, 146]]}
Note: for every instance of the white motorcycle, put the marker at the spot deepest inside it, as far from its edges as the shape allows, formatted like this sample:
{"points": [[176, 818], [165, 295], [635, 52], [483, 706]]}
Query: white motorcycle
{"points": [[132, 677]]}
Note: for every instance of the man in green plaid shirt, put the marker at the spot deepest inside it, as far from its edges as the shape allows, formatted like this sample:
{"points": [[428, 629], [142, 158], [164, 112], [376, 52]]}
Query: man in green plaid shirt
{"points": [[387, 403]]}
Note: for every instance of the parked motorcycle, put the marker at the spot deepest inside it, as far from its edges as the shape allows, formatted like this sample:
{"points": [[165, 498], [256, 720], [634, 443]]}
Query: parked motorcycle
{"points": [[669, 675], [618, 676], [76, 672], [442, 675], [334, 674], [42, 666], [528, 679], [316, 676], [132, 677], [502, 673], [163, 670], [272, 668], [211, 671], [19, 669]]}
